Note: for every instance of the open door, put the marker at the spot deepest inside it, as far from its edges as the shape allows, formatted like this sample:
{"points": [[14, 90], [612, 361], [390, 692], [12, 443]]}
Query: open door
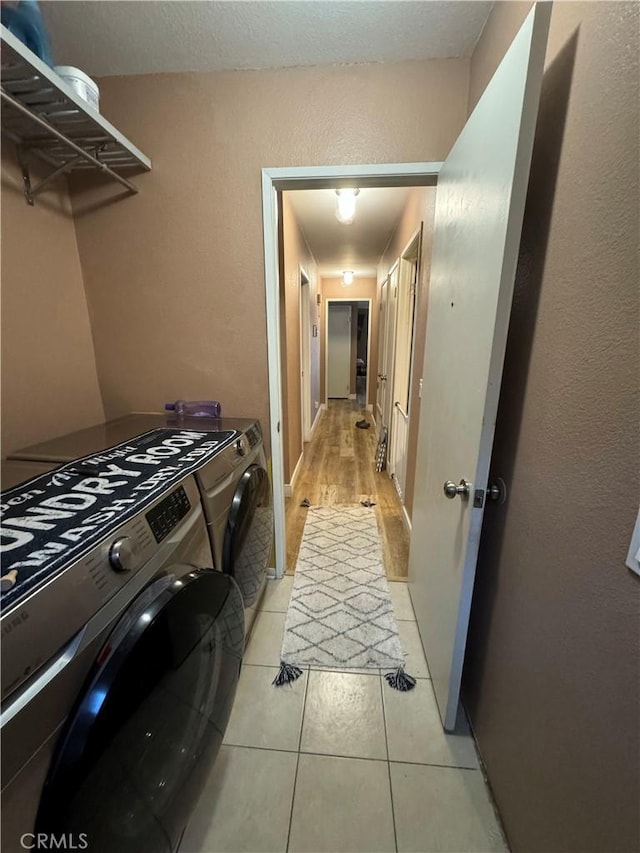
{"points": [[401, 387], [478, 221], [386, 346], [338, 351]]}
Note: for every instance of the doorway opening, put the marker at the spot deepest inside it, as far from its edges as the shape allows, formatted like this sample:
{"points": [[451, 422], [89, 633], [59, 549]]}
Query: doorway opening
{"points": [[346, 347], [275, 182]]}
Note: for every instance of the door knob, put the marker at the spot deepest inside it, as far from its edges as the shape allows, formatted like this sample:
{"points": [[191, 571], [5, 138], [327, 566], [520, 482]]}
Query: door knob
{"points": [[451, 490]]}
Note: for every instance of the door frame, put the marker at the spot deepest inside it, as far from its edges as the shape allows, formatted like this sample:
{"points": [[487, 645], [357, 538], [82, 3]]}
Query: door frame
{"points": [[326, 345], [276, 180], [305, 353], [325, 337], [406, 261], [390, 332]]}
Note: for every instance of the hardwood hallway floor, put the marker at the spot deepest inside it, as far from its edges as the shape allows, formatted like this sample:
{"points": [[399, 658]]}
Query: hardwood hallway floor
{"points": [[339, 468]]}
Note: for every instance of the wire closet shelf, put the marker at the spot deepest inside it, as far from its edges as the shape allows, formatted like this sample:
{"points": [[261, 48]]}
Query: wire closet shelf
{"points": [[46, 119]]}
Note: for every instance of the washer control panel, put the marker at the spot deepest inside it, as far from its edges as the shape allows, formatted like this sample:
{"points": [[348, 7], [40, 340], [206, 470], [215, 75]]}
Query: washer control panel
{"points": [[168, 513]]}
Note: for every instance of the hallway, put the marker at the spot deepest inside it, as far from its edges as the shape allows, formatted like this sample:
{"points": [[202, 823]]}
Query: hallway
{"points": [[339, 468]]}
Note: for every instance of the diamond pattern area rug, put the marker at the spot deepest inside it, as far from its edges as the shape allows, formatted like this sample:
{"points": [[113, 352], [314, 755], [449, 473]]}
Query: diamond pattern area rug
{"points": [[340, 613]]}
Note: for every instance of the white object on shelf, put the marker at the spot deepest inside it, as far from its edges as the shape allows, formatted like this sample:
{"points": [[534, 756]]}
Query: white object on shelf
{"points": [[81, 84]]}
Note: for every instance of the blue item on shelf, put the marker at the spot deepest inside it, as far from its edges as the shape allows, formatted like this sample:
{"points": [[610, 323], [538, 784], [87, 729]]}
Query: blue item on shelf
{"points": [[24, 20]]}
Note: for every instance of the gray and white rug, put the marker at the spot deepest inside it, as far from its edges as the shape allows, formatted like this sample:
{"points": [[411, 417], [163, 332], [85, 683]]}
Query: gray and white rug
{"points": [[340, 613]]}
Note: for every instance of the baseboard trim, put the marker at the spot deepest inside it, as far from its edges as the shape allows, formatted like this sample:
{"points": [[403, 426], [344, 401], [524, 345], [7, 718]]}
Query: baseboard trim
{"points": [[406, 519], [316, 420], [289, 487]]}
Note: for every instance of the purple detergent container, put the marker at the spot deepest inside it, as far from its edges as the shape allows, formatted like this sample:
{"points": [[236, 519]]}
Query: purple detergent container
{"points": [[195, 408]]}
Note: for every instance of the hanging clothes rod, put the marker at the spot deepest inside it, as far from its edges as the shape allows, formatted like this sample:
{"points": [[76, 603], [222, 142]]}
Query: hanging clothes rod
{"points": [[17, 105]]}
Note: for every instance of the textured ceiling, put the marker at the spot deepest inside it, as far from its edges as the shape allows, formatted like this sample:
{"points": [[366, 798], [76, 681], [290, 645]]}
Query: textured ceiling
{"points": [[358, 246], [151, 36]]}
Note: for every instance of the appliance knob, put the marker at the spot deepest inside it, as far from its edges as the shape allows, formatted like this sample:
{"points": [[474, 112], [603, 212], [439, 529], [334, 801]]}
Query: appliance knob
{"points": [[124, 555], [241, 449]]}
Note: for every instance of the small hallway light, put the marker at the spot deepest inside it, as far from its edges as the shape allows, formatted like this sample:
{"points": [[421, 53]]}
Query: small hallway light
{"points": [[347, 277], [346, 205]]}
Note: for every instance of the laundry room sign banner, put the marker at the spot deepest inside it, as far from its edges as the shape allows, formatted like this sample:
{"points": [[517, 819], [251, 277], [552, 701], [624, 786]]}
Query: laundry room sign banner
{"points": [[53, 520]]}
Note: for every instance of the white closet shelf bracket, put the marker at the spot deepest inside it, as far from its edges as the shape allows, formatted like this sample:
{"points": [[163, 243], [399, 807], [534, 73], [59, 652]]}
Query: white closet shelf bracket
{"points": [[47, 120]]}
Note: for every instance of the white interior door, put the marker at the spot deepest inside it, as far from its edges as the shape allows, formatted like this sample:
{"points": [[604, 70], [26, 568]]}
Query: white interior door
{"points": [[382, 343], [479, 209], [402, 373], [305, 358], [389, 348], [339, 350]]}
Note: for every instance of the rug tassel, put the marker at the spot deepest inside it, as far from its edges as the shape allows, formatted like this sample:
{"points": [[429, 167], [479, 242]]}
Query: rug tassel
{"points": [[400, 680], [287, 674]]}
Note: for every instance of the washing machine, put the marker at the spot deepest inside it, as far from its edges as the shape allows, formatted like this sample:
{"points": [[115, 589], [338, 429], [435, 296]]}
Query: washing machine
{"points": [[14, 473], [234, 487], [118, 676]]}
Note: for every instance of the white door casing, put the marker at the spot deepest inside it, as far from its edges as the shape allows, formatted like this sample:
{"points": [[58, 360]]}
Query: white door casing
{"points": [[480, 202], [305, 356], [390, 347], [401, 386], [338, 345], [382, 343]]}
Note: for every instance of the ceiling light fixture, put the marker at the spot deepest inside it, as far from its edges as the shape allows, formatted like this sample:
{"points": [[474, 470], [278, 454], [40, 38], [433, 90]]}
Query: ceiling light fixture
{"points": [[346, 205], [347, 277]]}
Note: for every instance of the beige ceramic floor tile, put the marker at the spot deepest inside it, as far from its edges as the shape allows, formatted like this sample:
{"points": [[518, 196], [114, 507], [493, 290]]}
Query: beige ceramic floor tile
{"points": [[341, 804], [401, 600], [416, 663], [246, 804], [265, 643], [415, 733], [443, 810], [345, 670], [264, 715], [343, 716], [277, 594]]}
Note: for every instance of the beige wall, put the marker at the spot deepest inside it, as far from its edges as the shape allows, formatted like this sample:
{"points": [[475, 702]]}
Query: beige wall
{"points": [[419, 209], [174, 276], [362, 288], [296, 254], [551, 679], [49, 379]]}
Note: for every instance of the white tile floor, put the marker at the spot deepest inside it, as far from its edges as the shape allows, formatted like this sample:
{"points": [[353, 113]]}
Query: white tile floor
{"points": [[339, 761]]}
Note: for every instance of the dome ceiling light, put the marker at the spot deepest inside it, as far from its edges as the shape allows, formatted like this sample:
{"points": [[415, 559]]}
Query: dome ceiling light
{"points": [[346, 205]]}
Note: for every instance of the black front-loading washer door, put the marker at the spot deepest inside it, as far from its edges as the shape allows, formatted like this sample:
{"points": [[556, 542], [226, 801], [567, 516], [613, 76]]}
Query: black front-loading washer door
{"points": [[136, 749], [249, 534]]}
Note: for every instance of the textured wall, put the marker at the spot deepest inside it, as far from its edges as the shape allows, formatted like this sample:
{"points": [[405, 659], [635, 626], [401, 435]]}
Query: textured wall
{"points": [[296, 254], [419, 209], [175, 275], [49, 380], [551, 680]]}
